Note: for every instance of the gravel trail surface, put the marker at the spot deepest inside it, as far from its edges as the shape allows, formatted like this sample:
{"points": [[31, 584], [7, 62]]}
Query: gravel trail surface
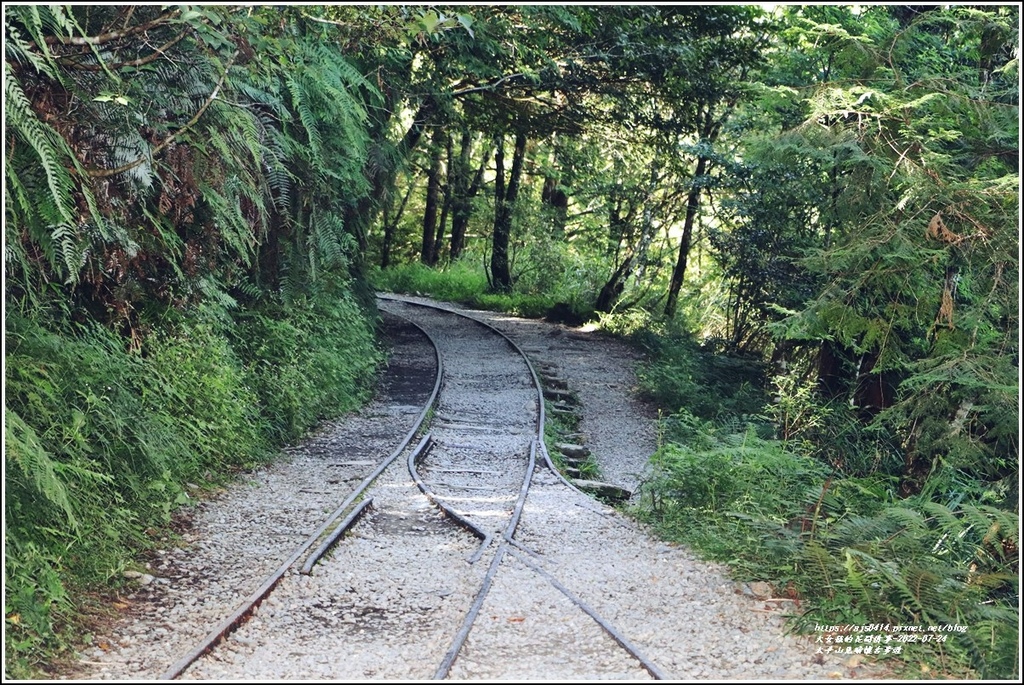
{"points": [[387, 602], [236, 537]]}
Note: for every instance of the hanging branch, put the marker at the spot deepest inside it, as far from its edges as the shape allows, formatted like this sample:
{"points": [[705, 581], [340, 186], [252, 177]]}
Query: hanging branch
{"points": [[111, 35], [155, 55], [104, 173]]}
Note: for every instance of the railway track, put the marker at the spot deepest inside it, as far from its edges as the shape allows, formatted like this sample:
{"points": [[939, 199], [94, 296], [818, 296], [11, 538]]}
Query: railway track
{"points": [[482, 428], [479, 459], [464, 554]]}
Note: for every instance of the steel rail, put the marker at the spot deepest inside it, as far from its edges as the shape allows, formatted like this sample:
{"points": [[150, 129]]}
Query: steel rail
{"points": [[449, 511], [508, 544], [533, 372], [353, 516], [244, 610], [510, 528], [467, 624], [589, 611]]}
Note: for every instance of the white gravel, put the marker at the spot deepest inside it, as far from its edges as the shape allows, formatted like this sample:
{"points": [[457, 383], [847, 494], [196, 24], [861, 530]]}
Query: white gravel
{"points": [[387, 601], [618, 428]]}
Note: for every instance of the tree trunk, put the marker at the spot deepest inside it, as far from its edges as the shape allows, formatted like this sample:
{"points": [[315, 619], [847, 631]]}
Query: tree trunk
{"points": [[360, 215], [446, 205], [427, 254], [611, 291], [618, 226], [692, 207], [504, 203], [463, 194], [553, 196], [390, 223]]}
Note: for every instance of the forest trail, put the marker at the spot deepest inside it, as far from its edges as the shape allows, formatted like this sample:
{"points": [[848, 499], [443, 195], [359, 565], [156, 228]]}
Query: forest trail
{"points": [[388, 600]]}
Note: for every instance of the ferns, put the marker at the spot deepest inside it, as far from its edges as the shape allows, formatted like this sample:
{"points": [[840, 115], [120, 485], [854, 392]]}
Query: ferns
{"points": [[309, 120], [47, 145], [953, 567], [145, 189], [853, 552], [232, 225], [22, 447]]}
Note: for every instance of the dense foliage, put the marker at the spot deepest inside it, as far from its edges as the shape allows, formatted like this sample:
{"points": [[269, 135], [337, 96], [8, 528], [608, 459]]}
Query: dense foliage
{"points": [[809, 217], [179, 278], [810, 220]]}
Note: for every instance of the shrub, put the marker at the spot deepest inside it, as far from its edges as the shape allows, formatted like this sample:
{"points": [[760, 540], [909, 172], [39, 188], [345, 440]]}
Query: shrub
{"points": [[459, 282], [847, 546], [682, 371], [309, 361], [100, 440]]}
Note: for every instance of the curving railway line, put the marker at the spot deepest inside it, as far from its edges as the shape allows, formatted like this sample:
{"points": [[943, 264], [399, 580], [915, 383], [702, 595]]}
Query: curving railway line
{"points": [[482, 429], [460, 553]]}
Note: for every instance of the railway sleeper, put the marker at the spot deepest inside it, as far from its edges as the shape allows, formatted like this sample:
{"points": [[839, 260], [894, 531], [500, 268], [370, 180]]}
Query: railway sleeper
{"points": [[554, 382], [564, 396], [606, 492], [572, 451]]}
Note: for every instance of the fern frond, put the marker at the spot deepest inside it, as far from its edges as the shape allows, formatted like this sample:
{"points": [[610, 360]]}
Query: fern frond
{"points": [[908, 518], [23, 447], [19, 50], [271, 99], [18, 115], [817, 556], [310, 121], [230, 221], [346, 73], [856, 577], [944, 516], [31, 18], [58, 21]]}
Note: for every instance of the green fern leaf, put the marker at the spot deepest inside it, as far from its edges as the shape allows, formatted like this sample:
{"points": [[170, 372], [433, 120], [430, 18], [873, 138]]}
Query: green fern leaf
{"points": [[23, 447]]}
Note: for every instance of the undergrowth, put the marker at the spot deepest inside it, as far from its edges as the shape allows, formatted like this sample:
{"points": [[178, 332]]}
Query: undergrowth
{"points": [[820, 516], [101, 441], [463, 284]]}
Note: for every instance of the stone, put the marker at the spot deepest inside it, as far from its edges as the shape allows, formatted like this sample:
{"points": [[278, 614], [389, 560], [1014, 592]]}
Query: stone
{"points": [[571, 450], [605, 491]]}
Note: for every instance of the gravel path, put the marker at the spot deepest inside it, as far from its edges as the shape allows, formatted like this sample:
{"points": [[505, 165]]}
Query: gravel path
{"points": [[236, 537], [386, 603]]}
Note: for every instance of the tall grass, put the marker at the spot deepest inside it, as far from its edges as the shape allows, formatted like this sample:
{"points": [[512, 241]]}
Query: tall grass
{"points": [[464, 284], [101, 441]]}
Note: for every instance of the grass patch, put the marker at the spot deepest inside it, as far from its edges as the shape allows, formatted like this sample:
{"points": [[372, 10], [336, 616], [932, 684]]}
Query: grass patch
{"points": [[465, 285], [848, 547]]}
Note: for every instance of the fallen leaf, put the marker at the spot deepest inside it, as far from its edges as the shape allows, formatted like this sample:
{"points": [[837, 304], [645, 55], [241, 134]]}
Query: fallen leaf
{"points": [[14, 618]]}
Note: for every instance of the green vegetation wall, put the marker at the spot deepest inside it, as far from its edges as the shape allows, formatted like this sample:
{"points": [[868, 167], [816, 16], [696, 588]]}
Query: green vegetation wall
{"points": [[179, 276]]}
